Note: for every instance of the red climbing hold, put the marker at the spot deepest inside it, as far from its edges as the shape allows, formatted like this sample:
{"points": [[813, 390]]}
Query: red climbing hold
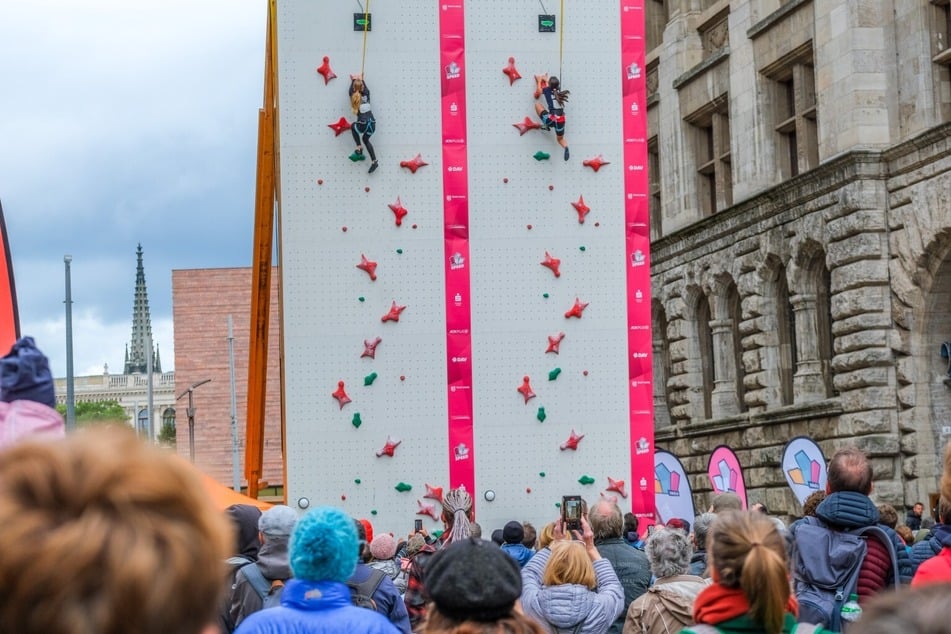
{"points": [[617, 486], [581, 208], [369, 266], [511, 71], [525, 126], [399, 211], [426, 508], [433, 493], [552, 263], [341, 395], [554, 342], [525, 389], [325, 70], [389, 448], [577, 309], [595, 163], [394, 313], [369, 347], [340, 126], [572, 442], [414, 164]]}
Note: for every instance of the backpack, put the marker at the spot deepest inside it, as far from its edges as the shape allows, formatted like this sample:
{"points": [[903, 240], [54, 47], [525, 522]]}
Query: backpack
{"points": [[361, 594], [704, 628], [269, 591], [826, 565]]}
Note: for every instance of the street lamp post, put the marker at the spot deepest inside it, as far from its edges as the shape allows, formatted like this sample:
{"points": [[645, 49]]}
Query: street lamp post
{"points": [[70, 396], [191, 416]]}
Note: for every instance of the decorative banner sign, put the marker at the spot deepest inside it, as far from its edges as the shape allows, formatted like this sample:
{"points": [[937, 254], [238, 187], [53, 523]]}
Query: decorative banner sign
{"points": [[804, 466], [725, 473], [671, 488]]}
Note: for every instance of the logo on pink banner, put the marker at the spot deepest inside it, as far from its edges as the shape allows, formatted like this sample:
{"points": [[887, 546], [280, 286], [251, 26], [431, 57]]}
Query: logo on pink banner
{"points": [[725, 472]]}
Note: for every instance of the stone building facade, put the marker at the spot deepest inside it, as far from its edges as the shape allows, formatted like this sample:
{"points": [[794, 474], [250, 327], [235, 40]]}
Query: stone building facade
{"points": [[800, 162]]}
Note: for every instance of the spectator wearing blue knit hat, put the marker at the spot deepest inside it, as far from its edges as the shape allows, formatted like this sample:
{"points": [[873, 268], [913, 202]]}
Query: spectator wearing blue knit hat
{"points": [[323, 552]]}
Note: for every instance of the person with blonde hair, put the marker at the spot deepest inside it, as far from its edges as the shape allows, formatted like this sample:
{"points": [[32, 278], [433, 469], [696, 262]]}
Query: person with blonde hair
{"points": [[547, 535], [569, 587], [105, 534], [365, 125], [750, 591]]}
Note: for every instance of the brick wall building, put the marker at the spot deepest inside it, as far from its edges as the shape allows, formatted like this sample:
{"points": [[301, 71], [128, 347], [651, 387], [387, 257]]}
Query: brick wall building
{"points": [[202, 300]]}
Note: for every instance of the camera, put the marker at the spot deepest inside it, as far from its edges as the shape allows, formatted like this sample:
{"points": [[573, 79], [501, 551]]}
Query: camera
{"points": [[571, 512], [418, 526]]}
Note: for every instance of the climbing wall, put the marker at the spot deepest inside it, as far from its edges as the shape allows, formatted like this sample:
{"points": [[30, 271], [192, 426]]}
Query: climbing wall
{"points": [[475, 312]]}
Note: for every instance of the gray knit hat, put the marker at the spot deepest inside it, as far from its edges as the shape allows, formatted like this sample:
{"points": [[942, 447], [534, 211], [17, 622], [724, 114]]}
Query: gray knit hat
{"points": [[278, 521]]}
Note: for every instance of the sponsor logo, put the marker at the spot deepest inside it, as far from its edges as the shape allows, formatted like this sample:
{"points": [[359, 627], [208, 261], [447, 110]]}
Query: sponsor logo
{"points": [[637, 327], [459, 331], [457, 300], [636, 167], [633, 71], [642, 446], [452, 197], [453, 108], [643, 484], [639, 355], [635, 108], [446, 7], [454, 168], [454, 141], [460, 452], [453, 71], [460, 359], [638, 295], [456, 261], [637, 258]]}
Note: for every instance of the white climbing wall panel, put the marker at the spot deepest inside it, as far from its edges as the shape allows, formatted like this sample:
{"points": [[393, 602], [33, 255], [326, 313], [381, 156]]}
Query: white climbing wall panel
{"points": [[333, 212]]}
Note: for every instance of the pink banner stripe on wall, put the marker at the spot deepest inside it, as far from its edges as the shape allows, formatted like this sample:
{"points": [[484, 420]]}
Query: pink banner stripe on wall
{"points": [[637, 261], [456, 236]]}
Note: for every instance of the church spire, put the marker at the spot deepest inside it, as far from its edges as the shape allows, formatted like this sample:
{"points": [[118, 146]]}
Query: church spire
{"points": [[136, 352]]}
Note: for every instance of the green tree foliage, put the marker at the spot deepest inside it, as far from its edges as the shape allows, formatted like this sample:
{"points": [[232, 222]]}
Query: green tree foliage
{"points": [[167, 436], [93, 412]]}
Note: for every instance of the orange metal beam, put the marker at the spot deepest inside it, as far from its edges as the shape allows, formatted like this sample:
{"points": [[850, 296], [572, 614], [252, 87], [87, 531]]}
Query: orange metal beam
{"points": [[261, 265]]}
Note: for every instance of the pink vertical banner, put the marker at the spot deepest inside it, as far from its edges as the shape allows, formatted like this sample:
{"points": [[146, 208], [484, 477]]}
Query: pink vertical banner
{"points": [[726, 473], [637, 260], [456, 238]]}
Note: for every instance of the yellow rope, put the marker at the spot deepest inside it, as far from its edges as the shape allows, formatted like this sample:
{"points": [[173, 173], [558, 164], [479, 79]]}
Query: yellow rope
{"points": [[561, 41], [366, 23]]}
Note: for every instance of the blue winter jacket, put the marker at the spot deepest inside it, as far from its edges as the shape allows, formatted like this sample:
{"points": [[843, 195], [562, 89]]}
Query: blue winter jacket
{"points": [[388, 601], [316, 607], [848, 509], [519, 553], [927, 548]]}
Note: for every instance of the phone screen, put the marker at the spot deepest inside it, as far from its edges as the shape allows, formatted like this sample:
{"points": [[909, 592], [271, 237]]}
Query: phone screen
{"points": [[571, 511], [418, 526]]}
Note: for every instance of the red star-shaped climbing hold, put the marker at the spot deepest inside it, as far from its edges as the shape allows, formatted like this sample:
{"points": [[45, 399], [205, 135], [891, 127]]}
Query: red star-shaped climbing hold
{"points": [[389, 448], [369, 347], [511, 71], [340, 126], [325, 70], [394, 313], [572, 442], [577, 309], [525, 389], [617, 486], [367, 265], [595, 163], [581, 208], [554, 342], [341, 395], [427, 508], [552, 263], [526, 125], [399, 211], [414, 164], [433, 493]]}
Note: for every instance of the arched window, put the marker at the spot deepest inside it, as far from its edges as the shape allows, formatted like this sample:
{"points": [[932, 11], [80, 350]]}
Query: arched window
{"points": [[735, 312], [813, 323], [786, 335], [142, 421], [705, 352], [168, 417]]}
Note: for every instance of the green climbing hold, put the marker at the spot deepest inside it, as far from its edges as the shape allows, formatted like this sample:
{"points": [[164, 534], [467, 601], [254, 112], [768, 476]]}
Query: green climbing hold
{"points": [[362, 298], [356, 422], [370, 378], [357, 481], [541, 416], [541, 156], [541, 473], [399, 251], [582, 248], [557, 505], [585, 479], [402, 487], [554, 374], [545, 295], [373, 512], [357, 156]]}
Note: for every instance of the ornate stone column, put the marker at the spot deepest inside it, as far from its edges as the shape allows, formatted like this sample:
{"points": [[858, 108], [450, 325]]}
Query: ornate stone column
{"points": [[808, 382], [724, 401]]}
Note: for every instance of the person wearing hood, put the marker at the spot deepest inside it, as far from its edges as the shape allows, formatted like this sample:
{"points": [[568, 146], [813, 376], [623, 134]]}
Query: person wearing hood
{"points": [[667, 606], [244, 521], [273, 563], [569, 587]]}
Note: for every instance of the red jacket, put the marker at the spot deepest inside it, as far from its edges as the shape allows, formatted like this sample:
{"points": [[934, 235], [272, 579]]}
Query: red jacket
{"points": [[935, 570], [876, 570]]}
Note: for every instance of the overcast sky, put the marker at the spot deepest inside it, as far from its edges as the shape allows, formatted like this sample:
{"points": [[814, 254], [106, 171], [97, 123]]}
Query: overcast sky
{"points": [[124, 122]]}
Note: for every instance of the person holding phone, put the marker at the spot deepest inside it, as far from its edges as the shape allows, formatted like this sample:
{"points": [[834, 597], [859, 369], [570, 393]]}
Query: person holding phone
{"points": [[569, 587]]}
